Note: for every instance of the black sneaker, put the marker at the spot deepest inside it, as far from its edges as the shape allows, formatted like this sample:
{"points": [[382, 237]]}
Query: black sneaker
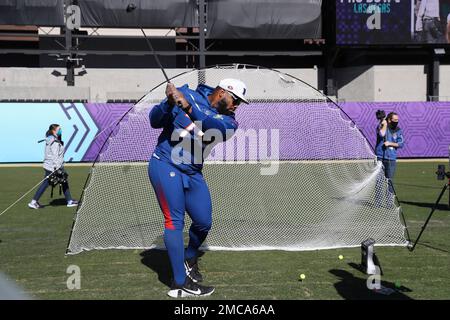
{"points": [[191, 266], [190, 289]]}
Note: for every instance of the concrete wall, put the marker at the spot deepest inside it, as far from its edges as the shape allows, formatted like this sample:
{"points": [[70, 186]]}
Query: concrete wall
{"points": [[98, 85], [364, 83], [355, 84], [44, 93], [383, 83], [444, 86], [400, 83]]}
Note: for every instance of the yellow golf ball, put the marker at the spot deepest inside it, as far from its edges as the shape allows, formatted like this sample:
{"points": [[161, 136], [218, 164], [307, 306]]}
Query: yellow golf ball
{"points": [[302, 277], [341, 257]]}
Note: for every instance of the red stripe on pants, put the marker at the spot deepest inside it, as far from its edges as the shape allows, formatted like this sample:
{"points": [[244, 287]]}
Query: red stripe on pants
{"points": [[168, 224]]}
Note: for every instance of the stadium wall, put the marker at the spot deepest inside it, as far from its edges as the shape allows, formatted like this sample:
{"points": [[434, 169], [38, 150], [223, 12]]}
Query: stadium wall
{"points": [[98, 85], [354, 84], [444, 85], [87, 125], [385, 83]]}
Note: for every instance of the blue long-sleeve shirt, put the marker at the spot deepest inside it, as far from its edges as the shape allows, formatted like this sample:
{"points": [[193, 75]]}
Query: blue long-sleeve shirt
{"points": [[188, 155], [389, 153]]}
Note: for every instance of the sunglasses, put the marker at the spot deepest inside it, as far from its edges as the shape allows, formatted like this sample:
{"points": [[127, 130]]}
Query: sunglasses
{"points": [[236, 100]]}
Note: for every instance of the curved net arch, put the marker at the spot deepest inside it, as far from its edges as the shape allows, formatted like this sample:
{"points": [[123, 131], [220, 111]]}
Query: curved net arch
{"points": [[297, 175]]}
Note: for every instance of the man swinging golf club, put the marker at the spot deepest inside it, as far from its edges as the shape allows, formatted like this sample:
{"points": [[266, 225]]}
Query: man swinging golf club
{"points": [[179, 185]]}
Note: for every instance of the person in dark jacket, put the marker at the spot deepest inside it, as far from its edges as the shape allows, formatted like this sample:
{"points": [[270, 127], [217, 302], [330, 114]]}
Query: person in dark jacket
{"points": [[389, 139]]}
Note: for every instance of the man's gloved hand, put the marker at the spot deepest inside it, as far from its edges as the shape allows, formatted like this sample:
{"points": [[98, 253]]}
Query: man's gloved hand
{"points": [[175, 97]]}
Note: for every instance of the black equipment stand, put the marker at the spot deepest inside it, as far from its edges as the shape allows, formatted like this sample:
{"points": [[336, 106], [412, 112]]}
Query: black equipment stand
{"points": [[446, 186]]}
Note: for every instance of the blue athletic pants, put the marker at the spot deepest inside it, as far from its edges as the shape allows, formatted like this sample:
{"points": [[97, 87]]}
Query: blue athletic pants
{"points": [[178, 193]]}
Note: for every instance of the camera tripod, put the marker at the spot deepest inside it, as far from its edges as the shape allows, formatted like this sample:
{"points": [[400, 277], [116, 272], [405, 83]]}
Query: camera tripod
{"points": [[446, 186]]}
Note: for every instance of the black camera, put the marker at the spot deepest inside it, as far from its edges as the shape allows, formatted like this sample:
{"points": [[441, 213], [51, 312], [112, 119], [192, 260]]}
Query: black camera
{"points": [[58, 177], [380, 114]]}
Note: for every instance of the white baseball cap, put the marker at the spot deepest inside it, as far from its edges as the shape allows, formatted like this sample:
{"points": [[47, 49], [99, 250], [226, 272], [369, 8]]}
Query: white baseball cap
{"points": [[236, 87]]}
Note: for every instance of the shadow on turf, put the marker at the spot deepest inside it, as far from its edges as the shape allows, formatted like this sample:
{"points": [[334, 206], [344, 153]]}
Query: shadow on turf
{"points": [[350, 287], [57, 202], [440, 206], [159, 262]]}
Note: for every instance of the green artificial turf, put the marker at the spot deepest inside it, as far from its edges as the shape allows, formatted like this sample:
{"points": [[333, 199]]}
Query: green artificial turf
{"points": [[33, 244]]}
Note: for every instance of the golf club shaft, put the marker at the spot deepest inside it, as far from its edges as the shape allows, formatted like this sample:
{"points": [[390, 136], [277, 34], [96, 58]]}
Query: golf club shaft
{"points": [[130, 8], [155, 55]]}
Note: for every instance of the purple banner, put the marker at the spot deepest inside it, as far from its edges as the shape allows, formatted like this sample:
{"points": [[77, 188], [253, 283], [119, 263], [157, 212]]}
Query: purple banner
{"points": [[426, 128], [425, 125], [106, 116], [269, 130]]}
